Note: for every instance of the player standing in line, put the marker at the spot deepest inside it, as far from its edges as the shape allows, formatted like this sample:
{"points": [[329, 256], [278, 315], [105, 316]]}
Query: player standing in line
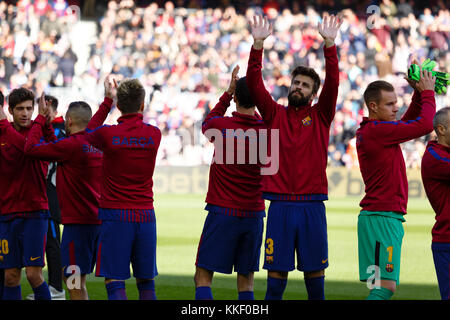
{"points": [[436, 181], [232, 234], [380, 229], [296, 221], [53, 243], [24, 203], [78, 177], [128, 229]]}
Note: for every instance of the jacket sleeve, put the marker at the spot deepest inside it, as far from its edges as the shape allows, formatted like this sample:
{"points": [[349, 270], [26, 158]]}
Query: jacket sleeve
{"points": [[262, 98], [329, 93], [102, 113], [395, 132], [217, 112], [414, 107], [56, 150]]}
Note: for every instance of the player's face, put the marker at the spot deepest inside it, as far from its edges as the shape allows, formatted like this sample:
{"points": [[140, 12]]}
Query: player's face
{"points": [[386, 109], [22, 113], [300, 92], [445, 131]]}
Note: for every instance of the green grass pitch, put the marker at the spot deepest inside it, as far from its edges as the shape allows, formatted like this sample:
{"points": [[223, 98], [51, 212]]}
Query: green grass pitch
{"points": [[180, 221]]}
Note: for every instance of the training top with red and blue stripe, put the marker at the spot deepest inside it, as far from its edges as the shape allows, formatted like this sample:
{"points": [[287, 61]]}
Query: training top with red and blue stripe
{"points": [[435, 171], [129, 156], [303, 134], [381, 159], [235, 186], [23, 191], [78, 174]]}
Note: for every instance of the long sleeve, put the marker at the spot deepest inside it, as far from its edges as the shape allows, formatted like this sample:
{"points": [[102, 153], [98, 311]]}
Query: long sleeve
{"points": [[55, 150], [217, 112], [329, 93], [394, 132], [262, 98], [414, 107], [102, 113]]}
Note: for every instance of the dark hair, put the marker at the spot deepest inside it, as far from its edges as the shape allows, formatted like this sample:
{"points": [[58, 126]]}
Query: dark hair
{"points": [[309, 72], [20, 95], [373, 91], [130, 95], [53, 101], [2, 99], [80, 112], [440, 118], [243, 97]]}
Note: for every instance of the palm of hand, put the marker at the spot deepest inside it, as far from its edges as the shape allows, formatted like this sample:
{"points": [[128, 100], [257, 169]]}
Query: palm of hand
{"points": [[329, 27]]}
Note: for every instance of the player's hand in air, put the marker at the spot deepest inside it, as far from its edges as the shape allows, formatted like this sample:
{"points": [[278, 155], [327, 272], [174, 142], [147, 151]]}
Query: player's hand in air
{"points": [[42, 105], [110, 86], [2, 114], [329, 28], [412, 83], [234, 79], [260, 29], [426, 82], [44, 109]]}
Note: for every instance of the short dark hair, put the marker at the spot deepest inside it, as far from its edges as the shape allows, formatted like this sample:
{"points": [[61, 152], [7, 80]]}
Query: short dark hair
{"points": [[373, 91], [441, 118], [80, 112], [2, 99], [309, 72], [53, 101], [20, 95], [130, 95], [243, 96]]}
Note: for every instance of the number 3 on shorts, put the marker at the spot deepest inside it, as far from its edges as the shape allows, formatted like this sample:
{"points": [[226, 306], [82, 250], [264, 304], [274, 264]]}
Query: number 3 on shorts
{"points": [[269, 246]]}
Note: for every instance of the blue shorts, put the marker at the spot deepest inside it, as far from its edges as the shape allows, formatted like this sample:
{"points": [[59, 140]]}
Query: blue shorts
{"points": [[296, 227], [229, 241], [122, 243], [23, 242], [441, 257], [78, 247]]}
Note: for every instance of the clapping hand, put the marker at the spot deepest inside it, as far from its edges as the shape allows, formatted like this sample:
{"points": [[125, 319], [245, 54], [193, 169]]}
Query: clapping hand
{"points": [[110, 86], [234, 79]]}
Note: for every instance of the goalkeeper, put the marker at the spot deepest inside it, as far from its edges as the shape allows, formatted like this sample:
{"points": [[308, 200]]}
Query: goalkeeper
{"points": [[380, 229]]}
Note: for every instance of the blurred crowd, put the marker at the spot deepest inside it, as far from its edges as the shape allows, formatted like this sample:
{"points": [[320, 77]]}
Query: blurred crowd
{"points": [[183, 53]]}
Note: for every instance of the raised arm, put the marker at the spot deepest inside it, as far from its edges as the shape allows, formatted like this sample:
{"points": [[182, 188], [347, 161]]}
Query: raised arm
{"points": [[224, 102], [260, 29], [56, 150], [328, 29], [100, 116], [401, 131]]}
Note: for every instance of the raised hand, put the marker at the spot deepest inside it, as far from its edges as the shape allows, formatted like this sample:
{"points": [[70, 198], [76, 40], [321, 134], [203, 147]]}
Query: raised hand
{"points": [[42, 105], [234, 79], [412, 83], [426, 82], [329, 28], [2, 114], [260, 29], [110, 86]]}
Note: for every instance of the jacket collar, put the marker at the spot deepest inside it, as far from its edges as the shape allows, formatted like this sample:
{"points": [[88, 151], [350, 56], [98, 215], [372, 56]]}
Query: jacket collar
{"points": [[130, 117]]}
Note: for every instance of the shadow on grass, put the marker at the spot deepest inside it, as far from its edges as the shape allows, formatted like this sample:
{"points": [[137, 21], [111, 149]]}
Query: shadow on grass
{"points": [[177, 287]]}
